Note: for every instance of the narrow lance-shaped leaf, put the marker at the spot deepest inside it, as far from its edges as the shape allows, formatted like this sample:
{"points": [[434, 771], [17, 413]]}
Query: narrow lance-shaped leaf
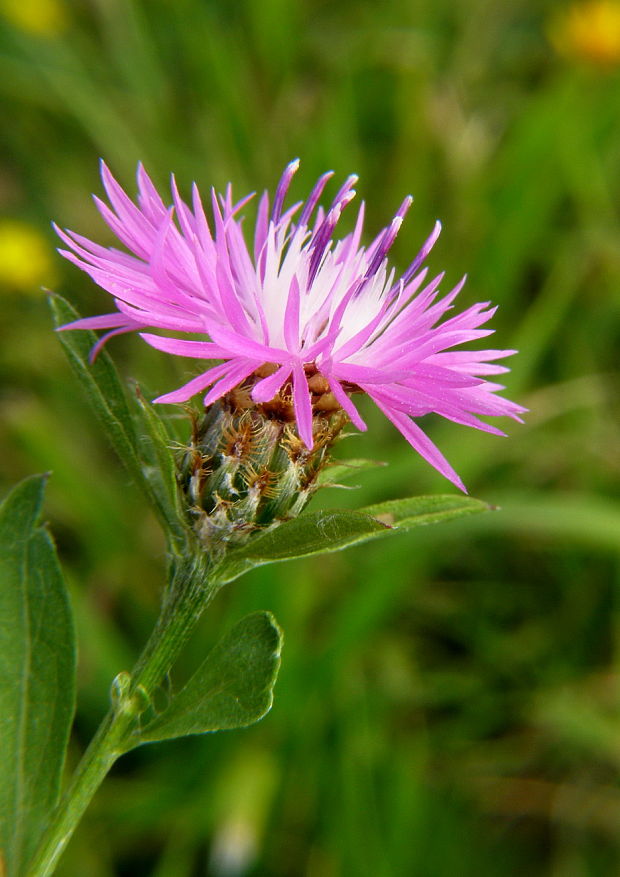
{"points": [[338, 471], [159, 468], [108, 397], [232, 688], [101, 383], [418, 511], [37, 674], [331, 530]]}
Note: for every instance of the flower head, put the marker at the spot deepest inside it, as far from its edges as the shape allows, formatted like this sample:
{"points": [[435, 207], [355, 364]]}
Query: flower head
{"points": [[42, 18], [588, 31], [301, 315], [25, 257]]}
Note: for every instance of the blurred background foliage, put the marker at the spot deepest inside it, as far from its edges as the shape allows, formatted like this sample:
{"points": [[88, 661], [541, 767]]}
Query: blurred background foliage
{"points": [[449, 702]]}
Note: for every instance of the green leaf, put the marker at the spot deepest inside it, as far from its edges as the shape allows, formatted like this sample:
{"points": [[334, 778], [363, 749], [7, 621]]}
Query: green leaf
{"points": [[101, 384], [159, 468], [417, 511], [326, 531], [149, 462], [232, 688], [37, 669], [338, 471]]}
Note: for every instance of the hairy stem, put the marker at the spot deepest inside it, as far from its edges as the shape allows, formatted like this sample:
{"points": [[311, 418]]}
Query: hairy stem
{"points": [[191, 588]]}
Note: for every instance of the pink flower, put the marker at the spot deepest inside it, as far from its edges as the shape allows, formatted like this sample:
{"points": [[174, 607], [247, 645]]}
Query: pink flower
{"points": [[301, 301]]}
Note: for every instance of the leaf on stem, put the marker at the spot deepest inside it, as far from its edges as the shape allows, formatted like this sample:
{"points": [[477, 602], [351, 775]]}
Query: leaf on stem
{"points": [[101, 384], [158, 467], [37, 668], [344, 470], [231, 689], [148, 462], [325, 531]]}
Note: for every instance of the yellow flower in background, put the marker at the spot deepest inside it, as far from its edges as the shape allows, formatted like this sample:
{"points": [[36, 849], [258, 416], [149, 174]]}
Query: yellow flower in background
{"points": [[589, 31], [45, 18], [25, 257]]}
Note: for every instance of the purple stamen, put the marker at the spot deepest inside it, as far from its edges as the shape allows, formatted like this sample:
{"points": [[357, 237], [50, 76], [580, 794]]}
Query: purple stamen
{"points": [[285, 181], [388, 238], [313, 198], [427, 246], [322, 237]]}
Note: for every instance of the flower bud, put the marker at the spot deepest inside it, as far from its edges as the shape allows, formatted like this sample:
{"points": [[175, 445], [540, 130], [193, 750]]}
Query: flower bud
{"points": [[246, 468]]}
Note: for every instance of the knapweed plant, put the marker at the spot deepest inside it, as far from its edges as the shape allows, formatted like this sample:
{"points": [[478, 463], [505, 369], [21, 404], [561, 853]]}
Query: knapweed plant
{"points": [[294, 330]]}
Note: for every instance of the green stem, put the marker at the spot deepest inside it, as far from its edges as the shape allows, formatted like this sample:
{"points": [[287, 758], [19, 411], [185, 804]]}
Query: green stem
{"points": [[189, 592]]}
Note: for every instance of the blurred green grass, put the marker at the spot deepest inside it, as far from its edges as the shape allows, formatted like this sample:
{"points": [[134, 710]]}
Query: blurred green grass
{"points": [[447, 706]]}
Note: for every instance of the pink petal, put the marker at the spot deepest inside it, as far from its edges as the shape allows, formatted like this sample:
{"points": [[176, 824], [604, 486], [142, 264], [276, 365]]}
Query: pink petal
{"points": [[291, 317], [105, 321], [98, 347], [302, 404], [238, 345], [196, 349], [265, 390], [347, 405], [195, 385], [235, 376], [420, 442]]}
